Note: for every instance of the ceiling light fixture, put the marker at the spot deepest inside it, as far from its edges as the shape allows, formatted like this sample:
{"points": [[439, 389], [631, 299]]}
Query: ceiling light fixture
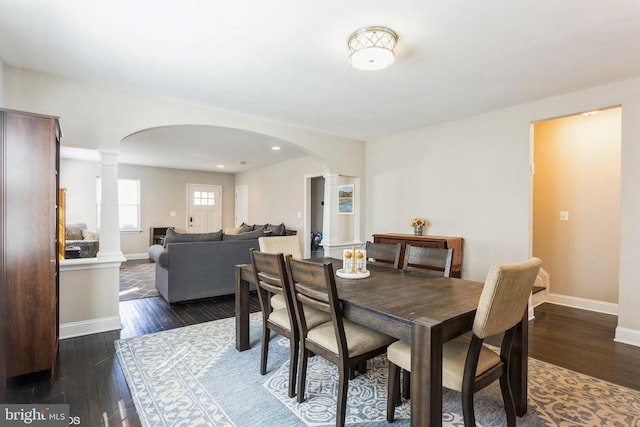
{"points": [[590, 113], [371, 48], [275, 148]]}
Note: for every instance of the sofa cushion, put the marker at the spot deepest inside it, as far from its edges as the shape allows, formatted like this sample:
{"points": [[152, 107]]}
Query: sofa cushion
{"points": [[74, 231], [90, 235], [277, 229], [174, 237], [246, 236]]}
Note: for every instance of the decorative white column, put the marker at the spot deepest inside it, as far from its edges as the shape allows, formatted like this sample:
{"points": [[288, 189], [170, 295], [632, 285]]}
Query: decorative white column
{"points": [[329, 223], [109, 211]]}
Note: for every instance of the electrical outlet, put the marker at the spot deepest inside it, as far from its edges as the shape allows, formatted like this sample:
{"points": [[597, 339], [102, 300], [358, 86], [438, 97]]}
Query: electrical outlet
{"points": [[173, 213], [564, 215]]}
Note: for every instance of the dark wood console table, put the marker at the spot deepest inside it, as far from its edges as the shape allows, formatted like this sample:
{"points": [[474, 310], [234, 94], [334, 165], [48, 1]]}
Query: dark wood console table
{"points": [[426, 241]]}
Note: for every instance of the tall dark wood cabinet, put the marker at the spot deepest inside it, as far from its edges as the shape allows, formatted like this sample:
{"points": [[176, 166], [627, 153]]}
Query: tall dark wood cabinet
{"points": [[29, 286]]}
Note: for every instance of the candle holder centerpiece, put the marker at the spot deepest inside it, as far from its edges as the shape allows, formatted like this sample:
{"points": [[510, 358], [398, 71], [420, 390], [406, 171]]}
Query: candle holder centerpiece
{"points": [[354, 264]]}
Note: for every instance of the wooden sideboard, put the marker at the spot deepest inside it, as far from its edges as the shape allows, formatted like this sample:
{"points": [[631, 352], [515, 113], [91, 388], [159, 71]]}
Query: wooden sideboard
{"points": [[426, 241]]}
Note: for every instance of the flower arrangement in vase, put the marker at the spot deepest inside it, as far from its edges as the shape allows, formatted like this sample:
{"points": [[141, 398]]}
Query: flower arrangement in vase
{"points": [[418, 225]]}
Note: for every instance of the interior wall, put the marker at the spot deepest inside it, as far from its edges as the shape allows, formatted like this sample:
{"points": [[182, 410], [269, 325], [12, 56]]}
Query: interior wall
{"points": [[577, 170], [79, 178], [276, 193], [162, 191], [1, 83], [470, 178], [95, 115]]}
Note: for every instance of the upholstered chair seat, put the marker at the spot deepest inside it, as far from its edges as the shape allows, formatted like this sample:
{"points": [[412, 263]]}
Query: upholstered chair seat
{"points": [[454, 355], [360, 338], [314, 317]]}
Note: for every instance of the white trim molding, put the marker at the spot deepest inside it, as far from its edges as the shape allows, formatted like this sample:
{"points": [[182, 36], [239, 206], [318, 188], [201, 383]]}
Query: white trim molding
{"points": [[131, 257], [627, 336], [88, 327], [583, 303], [91, 263]]}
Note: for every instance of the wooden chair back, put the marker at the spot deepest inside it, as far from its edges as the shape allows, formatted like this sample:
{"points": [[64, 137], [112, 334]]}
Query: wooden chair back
{"points": [[388, 253], [271, 279], [436, 259], [313, 284]]}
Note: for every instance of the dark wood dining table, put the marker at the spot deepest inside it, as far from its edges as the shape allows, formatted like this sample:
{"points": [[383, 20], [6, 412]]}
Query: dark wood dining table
{"points": [[413, 306]]}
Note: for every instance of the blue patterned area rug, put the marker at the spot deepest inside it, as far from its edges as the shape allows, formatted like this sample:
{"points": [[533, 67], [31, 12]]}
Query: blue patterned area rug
{"points": [[193, 376]]}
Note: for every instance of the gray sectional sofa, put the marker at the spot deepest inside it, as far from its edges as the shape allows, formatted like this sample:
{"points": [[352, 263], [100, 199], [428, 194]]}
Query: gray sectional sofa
{"points": [[194, 266]]}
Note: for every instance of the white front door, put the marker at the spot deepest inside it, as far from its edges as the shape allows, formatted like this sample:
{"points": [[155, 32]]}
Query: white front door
{"points": [[204, 208]]}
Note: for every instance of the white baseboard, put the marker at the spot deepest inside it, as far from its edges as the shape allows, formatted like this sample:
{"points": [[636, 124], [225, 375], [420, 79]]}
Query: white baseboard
{"points": [[88, 327], [627, 336], [623, 335], [583, 303], [130, 257]]}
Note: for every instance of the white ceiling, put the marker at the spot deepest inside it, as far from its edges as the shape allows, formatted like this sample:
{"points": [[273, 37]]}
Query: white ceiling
{"points": [[286, 60]]}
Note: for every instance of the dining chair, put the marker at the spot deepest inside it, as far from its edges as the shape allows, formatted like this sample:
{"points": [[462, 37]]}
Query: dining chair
{"points": [[388, 253], [437, 259], [347, 344], [280, 244], [285, 244], [468, 365], [271, 279]]}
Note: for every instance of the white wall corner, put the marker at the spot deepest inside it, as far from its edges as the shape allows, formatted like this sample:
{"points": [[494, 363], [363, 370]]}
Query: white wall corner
{"points": [[88, 327], [627, 336]]}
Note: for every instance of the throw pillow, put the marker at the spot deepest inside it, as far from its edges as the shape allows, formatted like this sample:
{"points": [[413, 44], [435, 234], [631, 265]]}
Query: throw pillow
{"points": [[232, 230], [257, 227], [277, 230], [74, 231], [174, 237], [90, 235], [245, 228]]}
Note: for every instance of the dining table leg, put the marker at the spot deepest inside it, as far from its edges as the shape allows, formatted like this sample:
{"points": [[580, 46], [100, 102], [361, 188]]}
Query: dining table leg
{"points": [[242, 308], [426, 372]]}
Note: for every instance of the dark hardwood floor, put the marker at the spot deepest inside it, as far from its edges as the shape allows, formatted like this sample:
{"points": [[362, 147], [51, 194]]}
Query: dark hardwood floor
{"points": [[89, 377], [582, 341]]}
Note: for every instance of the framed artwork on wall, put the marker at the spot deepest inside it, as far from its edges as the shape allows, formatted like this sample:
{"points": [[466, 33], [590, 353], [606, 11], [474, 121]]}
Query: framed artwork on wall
{"points": [[345, 199]]}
